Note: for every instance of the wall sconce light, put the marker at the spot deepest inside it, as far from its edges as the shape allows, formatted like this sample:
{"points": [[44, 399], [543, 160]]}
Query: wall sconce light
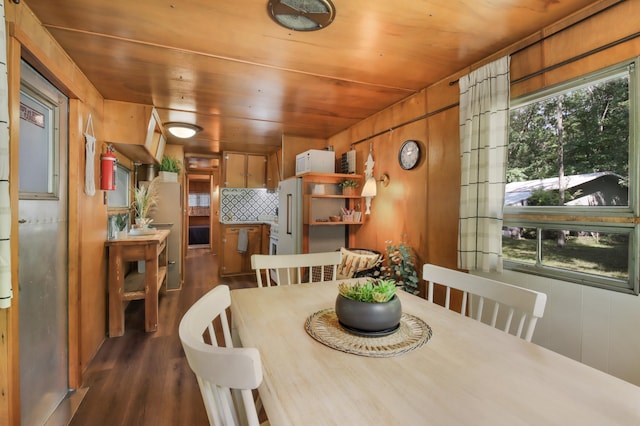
{"points": [[182, 130], [370, 189]]}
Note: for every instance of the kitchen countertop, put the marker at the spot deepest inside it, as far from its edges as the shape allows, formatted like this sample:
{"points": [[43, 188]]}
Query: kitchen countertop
{"points": [[260, 220], [256, 222]]}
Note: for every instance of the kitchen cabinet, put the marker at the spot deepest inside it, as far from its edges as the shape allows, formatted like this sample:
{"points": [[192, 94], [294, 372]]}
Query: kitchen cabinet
{"points": [[135, 130], [233, 262], [242, 170], [274, 169]]}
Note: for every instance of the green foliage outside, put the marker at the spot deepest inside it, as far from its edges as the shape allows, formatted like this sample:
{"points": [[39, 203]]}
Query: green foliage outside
{"points": [[582, 131], [606, 255]]}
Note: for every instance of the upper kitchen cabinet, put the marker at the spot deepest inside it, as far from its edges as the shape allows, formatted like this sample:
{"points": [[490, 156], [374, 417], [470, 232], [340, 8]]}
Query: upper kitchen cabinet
{"points": [[243, 170], [274, 169], [135, 130]]}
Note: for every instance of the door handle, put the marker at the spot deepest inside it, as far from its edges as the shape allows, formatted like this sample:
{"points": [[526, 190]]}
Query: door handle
{"points": [[22, 221]]}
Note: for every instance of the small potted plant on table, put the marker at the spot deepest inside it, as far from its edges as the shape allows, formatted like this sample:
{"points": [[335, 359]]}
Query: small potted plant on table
{"points": [[349, 187], [145, 198], [169, 169], [369, 307]]}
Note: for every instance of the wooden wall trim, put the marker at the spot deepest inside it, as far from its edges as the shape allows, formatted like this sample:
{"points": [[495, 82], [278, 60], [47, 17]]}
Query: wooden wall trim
{"points": [[544, 34], [404, 123], [12, 332]]}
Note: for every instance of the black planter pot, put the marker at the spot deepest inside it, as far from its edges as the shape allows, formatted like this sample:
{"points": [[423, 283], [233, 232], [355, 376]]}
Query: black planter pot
{"points": [[369, 317]]}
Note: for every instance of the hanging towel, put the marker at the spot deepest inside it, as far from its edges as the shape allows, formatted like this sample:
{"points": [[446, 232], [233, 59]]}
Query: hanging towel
{"points": [[90, 153], [243, 240]]}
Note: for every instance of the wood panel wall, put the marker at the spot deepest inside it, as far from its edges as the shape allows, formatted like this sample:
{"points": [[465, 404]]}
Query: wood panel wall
{"points": [[421, 206], [87, 215]]}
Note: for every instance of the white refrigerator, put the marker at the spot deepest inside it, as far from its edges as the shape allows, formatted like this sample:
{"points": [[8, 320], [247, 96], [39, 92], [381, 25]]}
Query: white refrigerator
{"points": [[168, 215], [321, 238]]}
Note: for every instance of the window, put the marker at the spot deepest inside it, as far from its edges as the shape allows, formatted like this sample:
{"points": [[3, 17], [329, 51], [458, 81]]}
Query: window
{"points": [[39, 167], [199, 204], [120, 197], [571, 204]]}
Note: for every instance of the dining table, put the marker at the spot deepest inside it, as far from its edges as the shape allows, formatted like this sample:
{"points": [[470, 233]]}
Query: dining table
{"points": [[458, 371]]}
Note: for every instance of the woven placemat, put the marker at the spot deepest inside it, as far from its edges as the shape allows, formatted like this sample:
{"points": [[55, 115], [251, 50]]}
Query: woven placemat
{"points": [[325, 328]]}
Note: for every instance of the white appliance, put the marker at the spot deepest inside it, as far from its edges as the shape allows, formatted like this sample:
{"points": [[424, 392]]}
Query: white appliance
{"points": [[168, 215], [321, 238], [290, 216], [316, 160]]}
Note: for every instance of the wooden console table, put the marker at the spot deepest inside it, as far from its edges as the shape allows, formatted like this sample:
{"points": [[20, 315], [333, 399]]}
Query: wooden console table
{"points": [[123, 287]]}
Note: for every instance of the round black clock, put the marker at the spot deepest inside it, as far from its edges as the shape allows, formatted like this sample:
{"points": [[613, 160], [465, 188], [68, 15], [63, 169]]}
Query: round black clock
{"points": [[409, 154]]}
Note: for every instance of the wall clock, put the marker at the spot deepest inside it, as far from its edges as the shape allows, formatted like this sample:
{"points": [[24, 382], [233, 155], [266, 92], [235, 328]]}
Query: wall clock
{"points": [[409, 154]]}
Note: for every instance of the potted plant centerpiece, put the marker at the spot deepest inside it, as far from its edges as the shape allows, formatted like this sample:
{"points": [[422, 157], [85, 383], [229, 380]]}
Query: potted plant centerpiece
{"points": [[369, 307], [169, 169], [145, 198], [349, 186]]}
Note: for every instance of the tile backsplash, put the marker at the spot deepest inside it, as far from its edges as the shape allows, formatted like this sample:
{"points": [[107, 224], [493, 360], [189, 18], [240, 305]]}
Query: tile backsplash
{"points": [[246, 204]]}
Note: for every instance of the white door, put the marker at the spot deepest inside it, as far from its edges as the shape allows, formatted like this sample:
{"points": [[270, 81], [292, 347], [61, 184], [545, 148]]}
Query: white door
{"points": [[42, 248]]}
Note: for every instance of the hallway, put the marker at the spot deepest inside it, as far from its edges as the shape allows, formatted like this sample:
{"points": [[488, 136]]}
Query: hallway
{"points": [[143, 378]]}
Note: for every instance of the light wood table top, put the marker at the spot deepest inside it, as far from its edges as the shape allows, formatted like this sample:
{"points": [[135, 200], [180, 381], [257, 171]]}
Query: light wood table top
{"points": [[467, 374]]}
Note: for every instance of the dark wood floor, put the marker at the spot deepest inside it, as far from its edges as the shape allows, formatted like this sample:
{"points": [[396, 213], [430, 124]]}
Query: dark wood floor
{"points": [[143, 378]]}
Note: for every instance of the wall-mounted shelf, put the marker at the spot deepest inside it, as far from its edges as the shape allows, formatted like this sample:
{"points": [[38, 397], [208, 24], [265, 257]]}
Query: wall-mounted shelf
{"points": [[319, 205]]}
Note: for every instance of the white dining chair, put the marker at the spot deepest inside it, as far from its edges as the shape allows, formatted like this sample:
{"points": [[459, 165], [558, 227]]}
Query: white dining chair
{"points": [[226, 375], [507, 300], [284, 269]]}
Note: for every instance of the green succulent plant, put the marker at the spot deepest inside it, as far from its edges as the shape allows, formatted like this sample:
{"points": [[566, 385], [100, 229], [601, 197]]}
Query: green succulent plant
{"points": [[372, 291]]}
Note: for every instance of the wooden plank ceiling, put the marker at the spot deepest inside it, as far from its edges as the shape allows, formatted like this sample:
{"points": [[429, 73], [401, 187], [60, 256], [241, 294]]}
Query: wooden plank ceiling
{"points": [[229, 68]]}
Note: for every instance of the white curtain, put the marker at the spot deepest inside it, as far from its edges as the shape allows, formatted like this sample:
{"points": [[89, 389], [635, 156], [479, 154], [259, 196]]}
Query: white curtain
{"points": [[5, 203], [484, 121]]}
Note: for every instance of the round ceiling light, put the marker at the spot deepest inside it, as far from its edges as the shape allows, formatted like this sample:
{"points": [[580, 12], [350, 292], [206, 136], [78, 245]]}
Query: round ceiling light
{"points": [[182, 130], [302, 15]]}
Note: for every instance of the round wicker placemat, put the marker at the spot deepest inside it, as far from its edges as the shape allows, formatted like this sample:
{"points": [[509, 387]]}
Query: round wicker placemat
{"points": [[325, 328]]}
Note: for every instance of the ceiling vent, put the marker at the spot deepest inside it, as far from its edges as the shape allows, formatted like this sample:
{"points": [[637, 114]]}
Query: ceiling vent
{"points": [[302, 15]]}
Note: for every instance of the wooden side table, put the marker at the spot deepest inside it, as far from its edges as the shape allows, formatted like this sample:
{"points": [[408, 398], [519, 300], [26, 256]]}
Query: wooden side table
{"points": [[123, 287]]}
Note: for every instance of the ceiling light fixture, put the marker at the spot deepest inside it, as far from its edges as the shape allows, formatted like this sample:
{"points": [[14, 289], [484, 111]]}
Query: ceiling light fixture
{"points": [[302, 15], [182, 130]]}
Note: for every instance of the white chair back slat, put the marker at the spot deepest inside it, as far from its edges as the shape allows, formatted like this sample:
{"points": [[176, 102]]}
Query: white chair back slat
{"points": [[464, 302], [479, 308], [447, 298], [296, 268], [529, 303], [530, 329], [507, 323], [494, 315], [521, 322]]}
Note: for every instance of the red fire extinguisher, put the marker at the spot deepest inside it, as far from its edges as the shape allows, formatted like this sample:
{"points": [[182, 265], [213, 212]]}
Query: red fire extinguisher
{"points": [[108, 170]]}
